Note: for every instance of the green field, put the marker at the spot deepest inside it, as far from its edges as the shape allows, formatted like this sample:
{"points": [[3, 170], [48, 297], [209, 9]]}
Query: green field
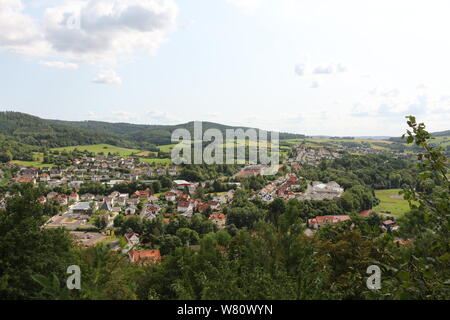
{"points": [[123, 152], [166, 148], [98, 148], [156, 161], [310, 142], [390, 203], [34, 164], [443, 141]]}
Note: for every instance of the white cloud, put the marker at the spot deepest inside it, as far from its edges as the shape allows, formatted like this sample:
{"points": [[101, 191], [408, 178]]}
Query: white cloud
{"points": [[393, 103], [105, 30], [107, 77], [59, 64], [307, 69], [330, 69], [246, 4], [18, 32], [149, 117], [98, 32], [324, 69], [300, 69], [314, 85]]}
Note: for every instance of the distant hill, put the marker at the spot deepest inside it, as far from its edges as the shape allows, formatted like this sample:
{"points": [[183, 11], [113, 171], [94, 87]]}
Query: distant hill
{"points": [[441, 136], [353, 137], [34, 131]]}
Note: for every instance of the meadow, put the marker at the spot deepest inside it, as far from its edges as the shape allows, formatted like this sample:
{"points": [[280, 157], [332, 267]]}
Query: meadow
{"points": [[99, 148], [391, 202]]}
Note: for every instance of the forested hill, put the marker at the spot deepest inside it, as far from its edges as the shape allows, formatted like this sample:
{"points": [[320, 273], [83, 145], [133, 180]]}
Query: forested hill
{"points": [[35, 131], [439, 134], [30, 130]]}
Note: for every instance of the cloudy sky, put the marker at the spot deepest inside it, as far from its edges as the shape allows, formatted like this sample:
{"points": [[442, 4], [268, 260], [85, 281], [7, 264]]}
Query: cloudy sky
{"points": [[348, 67]]}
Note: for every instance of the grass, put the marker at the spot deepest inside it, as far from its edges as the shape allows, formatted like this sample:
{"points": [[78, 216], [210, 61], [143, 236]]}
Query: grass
{"points": [[443, 141], [34, 164], [156, 161], [166, 148], [309, 142], [98, 148], [390, 204]]}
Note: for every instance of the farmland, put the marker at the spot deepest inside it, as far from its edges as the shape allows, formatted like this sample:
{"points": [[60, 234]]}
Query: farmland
{"points": [[101, 148], [391, 202]]}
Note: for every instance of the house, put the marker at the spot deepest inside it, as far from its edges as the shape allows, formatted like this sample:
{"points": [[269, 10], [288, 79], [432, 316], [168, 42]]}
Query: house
{"points": [[389, 225], [44, 177], [365, 213], [132, 238], [150, 211], [218, 219], [26, 180], [144, 256], [109, 199], [184, 206], [144, 194], [106, 206], [173, 171], [62, 199], [153, 198], [130, 210], [87, 197], [214, 205], [319, 221], [74, 197], [171, 196], [181, 184], [122, 198], [81, 208], [75, 184], [52, 195], [202, 207], [320, 191]]}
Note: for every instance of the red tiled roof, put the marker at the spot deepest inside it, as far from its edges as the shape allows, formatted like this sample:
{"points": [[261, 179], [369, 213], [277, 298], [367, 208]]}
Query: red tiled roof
{"points": [[183, 204], [152, 255], [365, 213], [219, 216], [328, 219]]}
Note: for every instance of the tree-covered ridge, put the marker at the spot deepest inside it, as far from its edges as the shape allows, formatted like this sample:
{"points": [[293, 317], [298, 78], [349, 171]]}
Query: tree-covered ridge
{"points": [[35, 131]]}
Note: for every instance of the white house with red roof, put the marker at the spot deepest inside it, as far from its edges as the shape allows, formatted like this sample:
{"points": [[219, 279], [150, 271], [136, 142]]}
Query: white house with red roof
{"points": [[75, 197]]}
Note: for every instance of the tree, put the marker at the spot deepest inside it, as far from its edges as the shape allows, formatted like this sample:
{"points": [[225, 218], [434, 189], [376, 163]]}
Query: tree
{"points": [[168, 243], [27, 250], [187, 235], [276, 208], [421, 271], [6, 156], [156, 186], [244, 217], [101, 222], [133, 224]]}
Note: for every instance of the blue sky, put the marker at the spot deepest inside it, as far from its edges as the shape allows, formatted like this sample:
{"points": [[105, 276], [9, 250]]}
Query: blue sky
{"points": [[317, 67]]}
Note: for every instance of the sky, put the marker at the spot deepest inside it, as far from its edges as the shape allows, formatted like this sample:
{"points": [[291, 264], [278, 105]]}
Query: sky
{"points": [[318, 67]]}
